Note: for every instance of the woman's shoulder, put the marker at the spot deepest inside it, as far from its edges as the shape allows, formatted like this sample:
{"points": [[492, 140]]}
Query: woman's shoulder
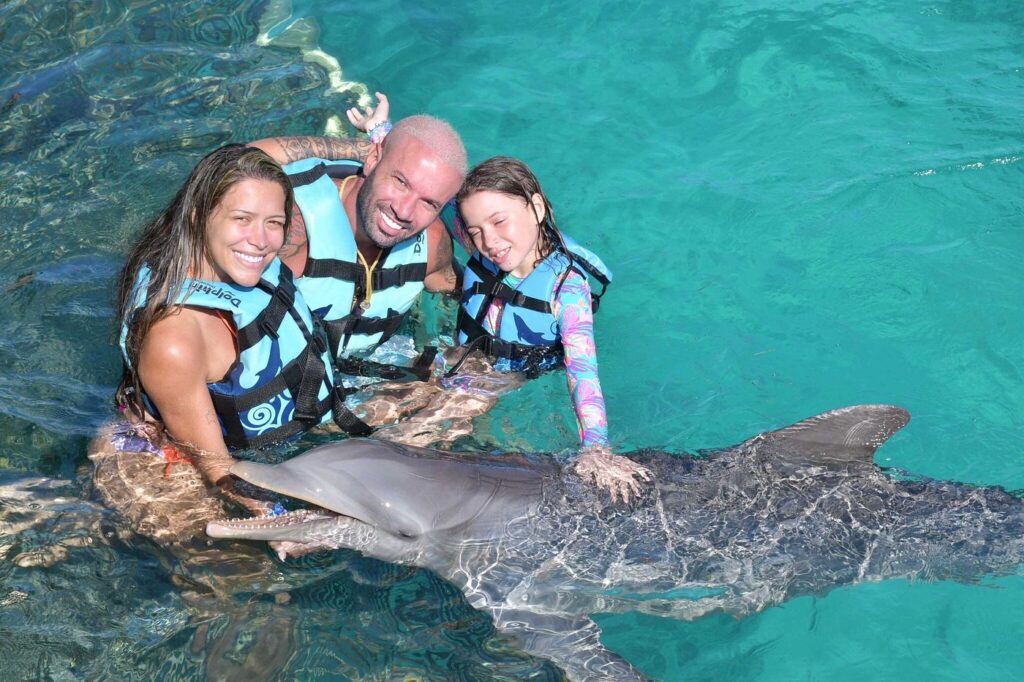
{"points": [[185, 341]]}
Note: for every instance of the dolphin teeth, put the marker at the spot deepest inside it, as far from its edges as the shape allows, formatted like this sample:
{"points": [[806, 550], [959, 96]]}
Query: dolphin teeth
{"points": [[280, 521]]}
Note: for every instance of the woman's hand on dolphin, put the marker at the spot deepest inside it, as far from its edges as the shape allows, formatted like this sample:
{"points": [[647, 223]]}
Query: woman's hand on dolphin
{"points": [[229, 488], [615, 473], [369, 118]]}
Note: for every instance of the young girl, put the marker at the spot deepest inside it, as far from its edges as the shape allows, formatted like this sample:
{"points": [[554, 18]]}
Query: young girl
{"points": [[527, 304]]}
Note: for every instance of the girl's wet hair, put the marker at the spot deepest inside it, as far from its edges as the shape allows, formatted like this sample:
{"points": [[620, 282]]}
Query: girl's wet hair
{"points": [[174, 245], [506, 175]]}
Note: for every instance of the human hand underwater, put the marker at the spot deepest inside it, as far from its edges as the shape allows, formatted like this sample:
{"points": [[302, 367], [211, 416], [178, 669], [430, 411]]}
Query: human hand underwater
{"points": [[369, 118], [235, 490], [615, 473], [229, 489]]}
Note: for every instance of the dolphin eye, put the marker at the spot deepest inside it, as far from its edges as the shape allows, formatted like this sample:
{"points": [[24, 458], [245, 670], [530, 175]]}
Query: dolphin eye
{"points": [[406, 532]]}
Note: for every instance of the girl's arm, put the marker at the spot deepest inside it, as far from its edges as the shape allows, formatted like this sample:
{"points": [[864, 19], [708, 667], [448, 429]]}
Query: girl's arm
{"points": [[575, 317], [571, 308]]}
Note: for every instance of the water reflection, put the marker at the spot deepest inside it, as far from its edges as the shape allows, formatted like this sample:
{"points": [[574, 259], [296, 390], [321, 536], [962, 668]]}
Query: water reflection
{"points": [[104, 107]]}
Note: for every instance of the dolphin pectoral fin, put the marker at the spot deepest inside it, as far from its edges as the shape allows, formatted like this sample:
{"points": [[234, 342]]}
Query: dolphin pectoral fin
{"points": [[571, 642], [849, 434]]}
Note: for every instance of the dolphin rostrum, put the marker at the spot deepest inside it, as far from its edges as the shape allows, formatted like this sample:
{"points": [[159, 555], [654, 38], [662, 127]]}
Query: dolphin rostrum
{"points": [[789, 512]]}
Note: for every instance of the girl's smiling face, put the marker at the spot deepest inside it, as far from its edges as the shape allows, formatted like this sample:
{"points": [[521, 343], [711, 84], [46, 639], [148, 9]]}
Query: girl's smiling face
{"points": [[505, 228]]}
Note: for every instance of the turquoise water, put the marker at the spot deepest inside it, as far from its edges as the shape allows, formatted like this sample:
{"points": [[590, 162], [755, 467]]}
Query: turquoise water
{"points": [[806, 205]]}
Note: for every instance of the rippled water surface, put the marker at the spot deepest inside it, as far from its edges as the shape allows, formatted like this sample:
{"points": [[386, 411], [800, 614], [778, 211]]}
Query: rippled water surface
{"points": [[806, 205]]}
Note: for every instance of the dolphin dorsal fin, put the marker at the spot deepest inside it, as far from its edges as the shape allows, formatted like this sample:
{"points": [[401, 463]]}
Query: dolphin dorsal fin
{"points": [[849, 434]]}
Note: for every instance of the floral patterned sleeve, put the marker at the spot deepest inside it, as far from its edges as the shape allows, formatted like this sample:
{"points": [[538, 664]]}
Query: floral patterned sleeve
{"points": [[571, 308]]}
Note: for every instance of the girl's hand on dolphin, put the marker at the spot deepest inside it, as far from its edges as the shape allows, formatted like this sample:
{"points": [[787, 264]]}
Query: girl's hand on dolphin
{"points": [[615, 473], [372, 117]]}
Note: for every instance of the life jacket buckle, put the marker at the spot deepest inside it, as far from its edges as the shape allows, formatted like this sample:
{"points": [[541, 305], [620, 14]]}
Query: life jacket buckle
{"points": [[267, 329], [286, 295], [302, 416]]}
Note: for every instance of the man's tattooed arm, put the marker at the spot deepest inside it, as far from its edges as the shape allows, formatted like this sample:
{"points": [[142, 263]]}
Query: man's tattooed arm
{"points": [[284, 150], [441, 276], [296, 238]]}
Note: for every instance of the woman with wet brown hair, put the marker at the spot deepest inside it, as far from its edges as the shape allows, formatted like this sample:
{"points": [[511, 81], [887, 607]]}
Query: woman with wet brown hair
{"points": [[219, 348]]}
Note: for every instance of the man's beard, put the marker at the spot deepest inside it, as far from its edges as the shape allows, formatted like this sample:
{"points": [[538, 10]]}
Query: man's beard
{"points": [[365, 215]]}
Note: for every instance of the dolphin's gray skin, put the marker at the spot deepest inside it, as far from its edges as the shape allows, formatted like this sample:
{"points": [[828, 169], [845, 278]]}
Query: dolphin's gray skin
{"points": [[789, 512]]}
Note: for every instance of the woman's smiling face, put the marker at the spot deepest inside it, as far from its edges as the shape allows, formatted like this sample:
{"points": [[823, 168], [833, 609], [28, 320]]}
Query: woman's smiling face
{"points": [[505, 229], [244, 232]]}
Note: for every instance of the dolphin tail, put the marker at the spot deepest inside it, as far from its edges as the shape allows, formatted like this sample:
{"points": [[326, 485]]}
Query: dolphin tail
{"points": [[846, 435]]}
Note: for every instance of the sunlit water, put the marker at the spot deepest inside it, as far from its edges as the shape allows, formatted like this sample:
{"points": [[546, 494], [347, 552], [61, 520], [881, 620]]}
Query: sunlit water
{"points": [[806, 205]]}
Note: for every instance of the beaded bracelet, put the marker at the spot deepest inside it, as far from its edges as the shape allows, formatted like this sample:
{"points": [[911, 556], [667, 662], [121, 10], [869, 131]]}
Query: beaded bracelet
{"points": [[379, 131]]}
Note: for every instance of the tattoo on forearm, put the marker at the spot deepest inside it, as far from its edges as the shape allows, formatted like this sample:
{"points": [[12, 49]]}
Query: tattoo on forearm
{"points": [[295, 148], [451, 278], [443, 281], [296, 237], [443, 277], [445, 253]]}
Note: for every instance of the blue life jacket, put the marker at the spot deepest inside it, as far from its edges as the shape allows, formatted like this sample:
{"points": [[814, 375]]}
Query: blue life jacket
{"points": [[527, 338], [334, 282], [281, 384]]}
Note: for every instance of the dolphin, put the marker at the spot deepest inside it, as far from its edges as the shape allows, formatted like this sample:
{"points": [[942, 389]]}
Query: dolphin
{"points": [[786, 513]]}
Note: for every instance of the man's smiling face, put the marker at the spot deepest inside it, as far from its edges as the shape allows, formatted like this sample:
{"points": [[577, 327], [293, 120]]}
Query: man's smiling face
{"points": [[404, 192]]}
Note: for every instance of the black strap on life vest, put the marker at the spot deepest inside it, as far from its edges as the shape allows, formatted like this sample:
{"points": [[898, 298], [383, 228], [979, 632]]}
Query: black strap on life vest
{"points": [[491, 286], [335, 171], [302, 377], [490, 344], [589, 269], [529, 358], [385, 278], [341, 330], [282, 301], [419, 370]]}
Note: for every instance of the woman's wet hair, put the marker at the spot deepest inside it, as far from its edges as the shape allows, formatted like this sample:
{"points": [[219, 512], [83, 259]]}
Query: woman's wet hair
{"points": [[512, 177], [174, 247]]}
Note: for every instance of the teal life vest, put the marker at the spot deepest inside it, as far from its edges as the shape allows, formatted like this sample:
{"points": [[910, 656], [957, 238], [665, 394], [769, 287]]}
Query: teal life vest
{"points": [[281, 385], [334, 281], [527, 338]]}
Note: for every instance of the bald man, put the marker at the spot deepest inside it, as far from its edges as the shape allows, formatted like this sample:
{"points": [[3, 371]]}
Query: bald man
{"points": [[366, 237]]}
